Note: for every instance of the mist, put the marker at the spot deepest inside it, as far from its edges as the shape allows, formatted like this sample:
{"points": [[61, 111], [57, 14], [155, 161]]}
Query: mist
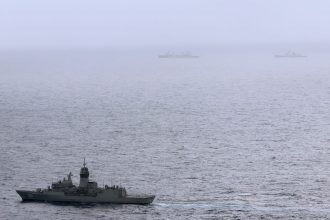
{"points": [[79, 24]]}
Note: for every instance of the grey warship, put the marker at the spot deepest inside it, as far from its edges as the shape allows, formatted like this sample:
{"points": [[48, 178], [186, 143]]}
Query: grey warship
{"points": [[87, 192], [290, 54]]}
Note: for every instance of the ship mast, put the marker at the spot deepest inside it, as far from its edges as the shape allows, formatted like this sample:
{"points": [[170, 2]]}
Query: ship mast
{"points": [[84, 176]]}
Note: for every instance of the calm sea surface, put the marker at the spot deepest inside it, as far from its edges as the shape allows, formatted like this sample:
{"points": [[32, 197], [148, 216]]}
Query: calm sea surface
{"points": [[225, 136]]}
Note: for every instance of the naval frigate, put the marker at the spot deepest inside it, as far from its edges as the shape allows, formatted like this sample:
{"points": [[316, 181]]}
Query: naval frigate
{"points": [[87, 192], [174, 55], [290, 54]]}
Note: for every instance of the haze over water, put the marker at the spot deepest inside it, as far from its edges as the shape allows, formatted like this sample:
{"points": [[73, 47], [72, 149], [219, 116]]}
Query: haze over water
{"points": [[228, 135]]}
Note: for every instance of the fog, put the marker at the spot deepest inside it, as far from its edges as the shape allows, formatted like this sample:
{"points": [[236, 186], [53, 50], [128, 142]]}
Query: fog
{"points": [[126, 23]]}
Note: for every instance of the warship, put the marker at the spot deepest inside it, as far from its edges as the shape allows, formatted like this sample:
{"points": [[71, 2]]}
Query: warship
{"points": [[290, 54], [87, 192], [174, 55]]}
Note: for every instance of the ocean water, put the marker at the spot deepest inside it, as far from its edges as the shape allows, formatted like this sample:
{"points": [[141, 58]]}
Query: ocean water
{"points": [[230, 135]]}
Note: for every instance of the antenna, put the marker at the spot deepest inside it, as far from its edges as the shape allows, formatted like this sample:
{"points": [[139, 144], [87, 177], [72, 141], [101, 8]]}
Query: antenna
{"points": [[84, 162]]}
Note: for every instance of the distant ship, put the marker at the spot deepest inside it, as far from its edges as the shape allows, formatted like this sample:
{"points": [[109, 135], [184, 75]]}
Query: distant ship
{"points": [[86, 192], [289, 54], [175, 55]]}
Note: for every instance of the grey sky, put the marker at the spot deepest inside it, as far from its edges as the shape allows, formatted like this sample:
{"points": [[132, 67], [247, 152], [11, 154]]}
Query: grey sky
{"points": [[82, 23]]}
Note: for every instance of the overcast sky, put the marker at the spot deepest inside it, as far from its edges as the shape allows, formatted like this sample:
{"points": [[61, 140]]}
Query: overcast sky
{"points": [[82, 23]]}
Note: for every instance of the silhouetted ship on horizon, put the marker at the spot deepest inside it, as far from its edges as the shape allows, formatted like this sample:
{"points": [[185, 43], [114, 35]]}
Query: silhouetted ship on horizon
{"points": [[290, 54], [176, 55]]}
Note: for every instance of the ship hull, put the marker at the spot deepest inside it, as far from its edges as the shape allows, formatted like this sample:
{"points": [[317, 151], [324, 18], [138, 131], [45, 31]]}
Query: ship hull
{"points": [[49, 196]]}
